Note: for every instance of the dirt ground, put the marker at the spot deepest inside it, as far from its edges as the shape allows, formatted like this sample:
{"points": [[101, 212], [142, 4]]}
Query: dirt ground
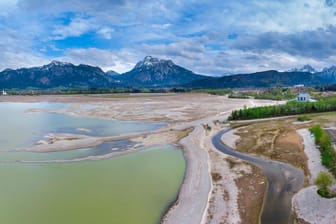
{"points": [[144, 107], [252, 187], [276, 140]]}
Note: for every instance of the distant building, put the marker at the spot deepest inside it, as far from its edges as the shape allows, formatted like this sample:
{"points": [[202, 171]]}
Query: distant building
{"points": [[299, 86], [304, 97], [4, 93]]}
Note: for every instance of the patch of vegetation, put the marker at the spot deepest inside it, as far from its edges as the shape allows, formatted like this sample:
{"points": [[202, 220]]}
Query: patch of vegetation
{"points": [[232, 163], [328, 154], [270, 94], [216, 177], [323, 181], [219, 92], [290, 108], [206, 127], [240, 95], [304, 118]]}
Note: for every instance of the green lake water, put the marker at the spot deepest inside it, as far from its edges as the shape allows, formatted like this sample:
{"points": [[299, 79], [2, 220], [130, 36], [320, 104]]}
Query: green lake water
{"points": [[134, 188]]}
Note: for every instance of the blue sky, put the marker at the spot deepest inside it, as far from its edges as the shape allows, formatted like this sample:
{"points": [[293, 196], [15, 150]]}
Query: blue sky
{"points": [[207, 36]]}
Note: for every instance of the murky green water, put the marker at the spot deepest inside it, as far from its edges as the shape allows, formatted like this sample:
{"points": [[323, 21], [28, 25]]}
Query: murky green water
{"points": [[130, 189], [134, 188]]}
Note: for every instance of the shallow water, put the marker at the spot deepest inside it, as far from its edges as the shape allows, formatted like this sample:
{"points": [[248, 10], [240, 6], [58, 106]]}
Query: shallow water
{"points": [[103, 149], [134, 188], [19, 129]]}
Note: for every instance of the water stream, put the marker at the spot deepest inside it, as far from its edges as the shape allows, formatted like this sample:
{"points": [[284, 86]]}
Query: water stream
{"points": [[284, 181]]}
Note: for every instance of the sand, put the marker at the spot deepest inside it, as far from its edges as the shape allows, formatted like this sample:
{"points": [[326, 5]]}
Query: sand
{"points": [[193, 196], [313, 155]]}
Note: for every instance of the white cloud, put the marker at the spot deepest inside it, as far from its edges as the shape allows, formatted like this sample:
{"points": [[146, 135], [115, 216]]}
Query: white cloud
{"points": [[119, 61], [106, 32], [194, 33], [77, 27]]}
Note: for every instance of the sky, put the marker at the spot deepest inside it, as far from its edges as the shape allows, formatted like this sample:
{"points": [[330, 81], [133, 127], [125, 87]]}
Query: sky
{"points": [[212, 37]]}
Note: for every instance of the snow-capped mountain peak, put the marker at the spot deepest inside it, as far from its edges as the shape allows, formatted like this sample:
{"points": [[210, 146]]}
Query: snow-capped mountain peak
{"points": [[149, 62], [330, 70], [305, 68]]}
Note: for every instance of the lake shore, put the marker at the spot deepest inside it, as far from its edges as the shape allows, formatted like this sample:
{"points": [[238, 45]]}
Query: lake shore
{"points": [[182, 111]]}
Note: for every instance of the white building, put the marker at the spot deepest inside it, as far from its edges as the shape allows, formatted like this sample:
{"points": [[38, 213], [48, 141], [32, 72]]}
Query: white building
{"points": [[304, 97], [4, 93]]}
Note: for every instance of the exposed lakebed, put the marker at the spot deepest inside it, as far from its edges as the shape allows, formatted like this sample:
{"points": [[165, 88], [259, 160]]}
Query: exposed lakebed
{"points": [[284, 181], [133, 188]]}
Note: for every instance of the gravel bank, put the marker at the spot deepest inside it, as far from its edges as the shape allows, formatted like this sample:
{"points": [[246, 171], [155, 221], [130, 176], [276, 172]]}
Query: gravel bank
{"points": [[308, 206], [193, 196], [313, 155]]}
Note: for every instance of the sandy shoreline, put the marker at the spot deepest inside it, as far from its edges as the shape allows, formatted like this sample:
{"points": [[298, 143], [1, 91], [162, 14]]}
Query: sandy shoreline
{"points": [[183, 111]]}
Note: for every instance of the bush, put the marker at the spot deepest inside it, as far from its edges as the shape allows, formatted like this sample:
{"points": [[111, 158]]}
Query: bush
{"points": [[304, 118], [323, 181]]}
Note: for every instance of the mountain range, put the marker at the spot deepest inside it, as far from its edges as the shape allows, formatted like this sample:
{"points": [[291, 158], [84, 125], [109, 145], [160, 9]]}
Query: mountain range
{"points": [[154, 73]]}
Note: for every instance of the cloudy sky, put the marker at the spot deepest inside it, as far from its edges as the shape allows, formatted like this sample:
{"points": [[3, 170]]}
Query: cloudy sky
{"points": [[207, 36]]}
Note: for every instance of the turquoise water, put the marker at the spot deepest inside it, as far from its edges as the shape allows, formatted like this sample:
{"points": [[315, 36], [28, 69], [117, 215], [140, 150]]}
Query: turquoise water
{"points": [[19, 129], [134, 188]]}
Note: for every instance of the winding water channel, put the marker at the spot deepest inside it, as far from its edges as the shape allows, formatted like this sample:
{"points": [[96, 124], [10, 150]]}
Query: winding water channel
{"points": [[284, 181]]}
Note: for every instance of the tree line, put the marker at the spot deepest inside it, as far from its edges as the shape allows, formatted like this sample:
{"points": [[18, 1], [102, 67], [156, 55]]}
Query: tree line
{"points": [[290, 108]]}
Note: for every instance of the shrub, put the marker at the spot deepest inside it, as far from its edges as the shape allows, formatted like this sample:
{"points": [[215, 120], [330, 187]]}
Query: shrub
{"points": [[304, 118], [323, 181], [328, 154]]}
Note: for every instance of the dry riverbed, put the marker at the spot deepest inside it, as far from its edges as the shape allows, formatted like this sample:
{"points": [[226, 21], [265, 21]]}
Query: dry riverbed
{"points": [[290, 141]]}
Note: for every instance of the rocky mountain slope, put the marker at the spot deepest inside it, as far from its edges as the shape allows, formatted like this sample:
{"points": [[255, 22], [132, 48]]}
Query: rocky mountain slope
{"points": [[263, 79], [154, 73]]}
